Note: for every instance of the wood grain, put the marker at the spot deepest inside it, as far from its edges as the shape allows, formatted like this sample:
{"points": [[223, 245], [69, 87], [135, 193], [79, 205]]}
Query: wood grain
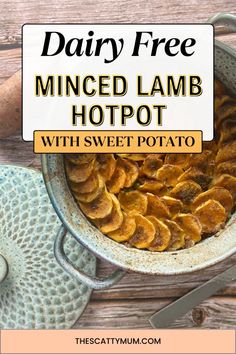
{"points": [[141, 286], [19, 153], [215, 312], [14, 15], [10, 62]]}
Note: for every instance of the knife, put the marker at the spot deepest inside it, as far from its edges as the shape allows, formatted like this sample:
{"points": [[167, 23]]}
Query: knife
{"points": [[165, 317]]}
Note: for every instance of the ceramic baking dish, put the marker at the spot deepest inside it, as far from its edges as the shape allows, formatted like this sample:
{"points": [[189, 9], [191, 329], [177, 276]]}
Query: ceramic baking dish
{"points": [[203, 254]]}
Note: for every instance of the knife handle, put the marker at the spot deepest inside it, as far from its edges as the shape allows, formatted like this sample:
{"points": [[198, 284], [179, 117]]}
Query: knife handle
{"points": [[166, 316]]}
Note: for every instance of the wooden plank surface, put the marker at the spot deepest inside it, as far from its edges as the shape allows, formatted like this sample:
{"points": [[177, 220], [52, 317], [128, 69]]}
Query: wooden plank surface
{"points": [[215, 312], [130, 303], [13, 15]]}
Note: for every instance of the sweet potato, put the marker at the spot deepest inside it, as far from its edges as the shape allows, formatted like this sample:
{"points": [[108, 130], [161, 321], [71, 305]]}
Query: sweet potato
{"points": [[157, 207], [10, 105], [191, 226], [144, 233], [98, 208], [131, 170], [211, 215], [220, 194], [162, 235], [125, 231], [106, 164], [151, 165], [134, 202], [112, 221]]}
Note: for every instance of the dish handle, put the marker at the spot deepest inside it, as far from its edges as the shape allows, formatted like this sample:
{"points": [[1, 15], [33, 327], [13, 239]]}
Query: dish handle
{"points": [[3, 268], [92, 282], [224, 19]]}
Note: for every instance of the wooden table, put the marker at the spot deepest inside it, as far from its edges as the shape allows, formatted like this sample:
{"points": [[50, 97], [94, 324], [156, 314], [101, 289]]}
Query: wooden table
{"points": [[130, 303]]}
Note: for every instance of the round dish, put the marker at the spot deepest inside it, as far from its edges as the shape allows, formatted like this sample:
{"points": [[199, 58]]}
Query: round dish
{"points": [[203, 254]]}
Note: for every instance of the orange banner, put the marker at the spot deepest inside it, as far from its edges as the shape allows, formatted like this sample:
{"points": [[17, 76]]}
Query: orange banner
{"points": [[117, 341], [118, 141]]}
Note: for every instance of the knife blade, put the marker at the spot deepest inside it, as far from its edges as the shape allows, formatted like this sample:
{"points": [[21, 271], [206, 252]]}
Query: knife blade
{"points": [[165, 317]]}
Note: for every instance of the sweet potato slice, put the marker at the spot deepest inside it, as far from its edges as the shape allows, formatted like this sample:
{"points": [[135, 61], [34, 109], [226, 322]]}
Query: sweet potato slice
{"points": [[225, 111], [78, 159], [210, 146], [228, 182], [226, 152], [106, 164], [174, 205], [212, 216], [222, 101], [196, 175], [88, 186], [123, 155], [204, 161], [135, 157], [117, 181], [219, 194], [191, 226], [157, 207], [219, 88], [227, 167], [89, 197], [168, 174], [144, 233], [112, 221], [151, 165], [217, 104], [153, 186], [125, 231], [162, 235], [133, 201], [227, 132], [177, 239], [79, 173], [181, 160], [131, 170], [186, 191], [98, 208]]}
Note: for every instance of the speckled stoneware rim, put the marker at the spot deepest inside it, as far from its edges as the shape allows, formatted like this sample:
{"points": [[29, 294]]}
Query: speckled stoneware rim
{"points": [[202, 255]]}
